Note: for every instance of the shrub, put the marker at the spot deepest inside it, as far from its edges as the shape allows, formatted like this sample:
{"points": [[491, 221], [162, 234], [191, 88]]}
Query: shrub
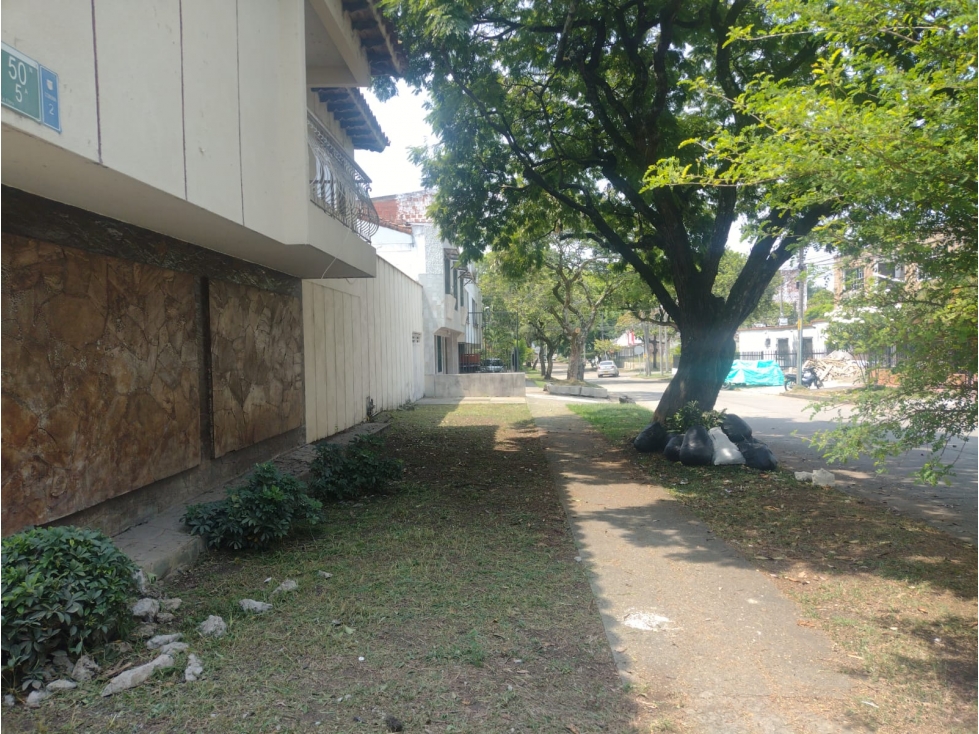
{"points": [[266, 509], [340, 473], [64, 588], [691, 415]]}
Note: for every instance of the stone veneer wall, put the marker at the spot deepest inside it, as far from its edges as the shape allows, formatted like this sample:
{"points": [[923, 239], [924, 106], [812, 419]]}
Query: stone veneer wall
{"points": [[107, 346], [100, 378], [256, 365]]}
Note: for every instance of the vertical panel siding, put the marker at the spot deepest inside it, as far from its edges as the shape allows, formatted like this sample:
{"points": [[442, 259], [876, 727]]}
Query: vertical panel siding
{"points": [[358, 344]]}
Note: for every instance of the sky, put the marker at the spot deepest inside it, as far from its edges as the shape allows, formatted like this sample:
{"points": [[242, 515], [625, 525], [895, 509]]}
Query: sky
{"points": [[402, 118]]}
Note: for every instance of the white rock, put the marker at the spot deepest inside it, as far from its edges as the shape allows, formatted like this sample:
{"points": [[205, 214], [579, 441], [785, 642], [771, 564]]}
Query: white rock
{"points": [[145, 630], [803, 476], [194, 669], [142, 583], [325, 575], [170, 605], [35, 698], [250, 605], [136, 676], [213, 626], [174, 647], [9, 701], [61, 685], [85, 669], [823, 478], [287, 585], [161, 640], [146, 608], [165, 617]]}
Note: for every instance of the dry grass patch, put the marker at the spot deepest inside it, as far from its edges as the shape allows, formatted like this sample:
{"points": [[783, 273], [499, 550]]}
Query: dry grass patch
{"points": [[896, 596], [455, 605]]}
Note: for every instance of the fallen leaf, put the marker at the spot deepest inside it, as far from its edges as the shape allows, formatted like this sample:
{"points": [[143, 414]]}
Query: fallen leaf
{"points": [[572, 728]]}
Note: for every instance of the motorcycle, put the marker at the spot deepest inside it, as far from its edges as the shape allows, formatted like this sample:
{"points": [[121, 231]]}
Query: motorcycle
{"points": [[809, 378]]}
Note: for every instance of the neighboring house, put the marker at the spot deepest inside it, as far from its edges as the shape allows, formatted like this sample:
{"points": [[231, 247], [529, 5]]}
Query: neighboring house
{"points": [[453, 310], [188, 281], [781, 343], [852, 276]]}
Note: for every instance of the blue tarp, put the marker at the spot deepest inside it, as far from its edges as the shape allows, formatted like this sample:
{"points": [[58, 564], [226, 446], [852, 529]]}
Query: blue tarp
{"points": [[753, 373]]}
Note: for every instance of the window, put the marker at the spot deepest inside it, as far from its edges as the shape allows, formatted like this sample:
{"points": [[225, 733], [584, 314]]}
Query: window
{"points": [[439, 356], [447, 274], [853, 279], [455, 286]]}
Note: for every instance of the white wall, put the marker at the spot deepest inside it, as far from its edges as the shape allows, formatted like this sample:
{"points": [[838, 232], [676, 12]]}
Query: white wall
{"points": [[753, 340], [186, 118], [358, 343]]}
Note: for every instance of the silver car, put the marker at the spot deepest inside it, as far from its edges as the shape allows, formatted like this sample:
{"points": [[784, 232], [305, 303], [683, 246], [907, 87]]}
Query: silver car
{"points": [[607, 369]]}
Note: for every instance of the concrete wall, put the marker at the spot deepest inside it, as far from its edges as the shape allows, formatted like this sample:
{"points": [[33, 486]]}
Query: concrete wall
{"points": [[359, 344], [185, 118], [477, 385]]}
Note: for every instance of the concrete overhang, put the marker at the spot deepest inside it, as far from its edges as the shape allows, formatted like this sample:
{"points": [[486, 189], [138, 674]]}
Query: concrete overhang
{"points": [[40, 168]]}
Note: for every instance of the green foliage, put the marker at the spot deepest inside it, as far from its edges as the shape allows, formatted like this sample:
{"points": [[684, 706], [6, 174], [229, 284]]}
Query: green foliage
{"points": [[885, 139], [548, 116], [819, 304], [356, 470], [64, 588], [266, 509], [691, 415]]}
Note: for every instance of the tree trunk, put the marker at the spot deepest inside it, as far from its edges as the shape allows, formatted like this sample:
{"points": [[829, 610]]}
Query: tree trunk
{"points": [[705, 360], [549, 364], [576, 359]]}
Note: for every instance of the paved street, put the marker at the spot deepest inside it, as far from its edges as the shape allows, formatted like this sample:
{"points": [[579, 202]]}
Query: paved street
{"points": [[784, 423]]}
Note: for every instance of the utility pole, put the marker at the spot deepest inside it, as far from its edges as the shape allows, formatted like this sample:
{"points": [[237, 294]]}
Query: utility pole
{"points": [[802, 300], [645, 345]]}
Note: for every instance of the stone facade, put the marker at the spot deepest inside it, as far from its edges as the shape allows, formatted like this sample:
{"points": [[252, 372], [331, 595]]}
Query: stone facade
{"points": [[108, 389], [100, 378], [256, 364]]}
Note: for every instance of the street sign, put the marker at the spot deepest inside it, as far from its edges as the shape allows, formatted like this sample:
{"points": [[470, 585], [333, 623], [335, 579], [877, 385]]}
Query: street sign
{"points": [[21, 87], [30, 89], [50, 110]]}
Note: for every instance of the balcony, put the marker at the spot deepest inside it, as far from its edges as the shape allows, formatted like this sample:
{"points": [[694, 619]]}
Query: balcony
{"points": [[337, 185]]}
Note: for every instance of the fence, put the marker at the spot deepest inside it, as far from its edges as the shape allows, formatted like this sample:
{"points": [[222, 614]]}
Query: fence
{"points": [[492, 343]]}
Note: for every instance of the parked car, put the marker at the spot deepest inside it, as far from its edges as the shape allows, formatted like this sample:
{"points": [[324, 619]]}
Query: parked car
{"points": [[493, 365], [607, 368]]}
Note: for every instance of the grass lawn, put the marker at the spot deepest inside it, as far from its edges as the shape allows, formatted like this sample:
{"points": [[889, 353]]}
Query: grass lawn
{"points": [[896, 595], [455, 605]]}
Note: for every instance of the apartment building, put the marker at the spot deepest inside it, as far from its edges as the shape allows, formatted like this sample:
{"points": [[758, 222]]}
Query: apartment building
{"points": [[188, 281]]}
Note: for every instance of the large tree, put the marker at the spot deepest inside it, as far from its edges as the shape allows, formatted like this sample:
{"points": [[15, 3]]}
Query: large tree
{"points": [[549, 115], [887, 138]]}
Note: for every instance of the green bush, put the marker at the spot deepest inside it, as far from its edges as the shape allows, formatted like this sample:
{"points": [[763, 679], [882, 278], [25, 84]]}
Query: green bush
{"points": [[64, 588], [266, 509], [691, 415], [339, 473]]}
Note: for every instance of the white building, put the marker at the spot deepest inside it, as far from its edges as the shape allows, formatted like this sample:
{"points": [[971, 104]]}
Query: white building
{"points": [[188, 282], [781, 343], [452, 309]]}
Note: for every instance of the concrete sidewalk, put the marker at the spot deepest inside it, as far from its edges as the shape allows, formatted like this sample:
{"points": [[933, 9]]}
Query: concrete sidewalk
{"points": [[684, 613]]}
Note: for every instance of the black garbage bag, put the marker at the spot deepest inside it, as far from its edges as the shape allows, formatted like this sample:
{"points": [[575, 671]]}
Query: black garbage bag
{"points": [[757, 455], [672, 449], [697, 448], [735, 428], [653, 438]]}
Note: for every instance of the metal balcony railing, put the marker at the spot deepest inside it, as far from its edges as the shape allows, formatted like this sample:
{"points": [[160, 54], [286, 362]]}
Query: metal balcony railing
{"points": [[337, 185]]}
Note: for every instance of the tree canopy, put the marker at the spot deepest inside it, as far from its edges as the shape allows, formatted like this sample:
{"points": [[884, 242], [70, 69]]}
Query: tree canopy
{"points": [[886, 137], [549, 116]]}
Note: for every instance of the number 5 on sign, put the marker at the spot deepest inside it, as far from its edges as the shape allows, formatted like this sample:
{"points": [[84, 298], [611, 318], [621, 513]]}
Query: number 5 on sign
{"points": [[21, 86]]}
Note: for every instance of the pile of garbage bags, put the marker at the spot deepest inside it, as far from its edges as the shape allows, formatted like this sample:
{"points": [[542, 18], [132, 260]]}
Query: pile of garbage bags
{"points": [[729, 443]]}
